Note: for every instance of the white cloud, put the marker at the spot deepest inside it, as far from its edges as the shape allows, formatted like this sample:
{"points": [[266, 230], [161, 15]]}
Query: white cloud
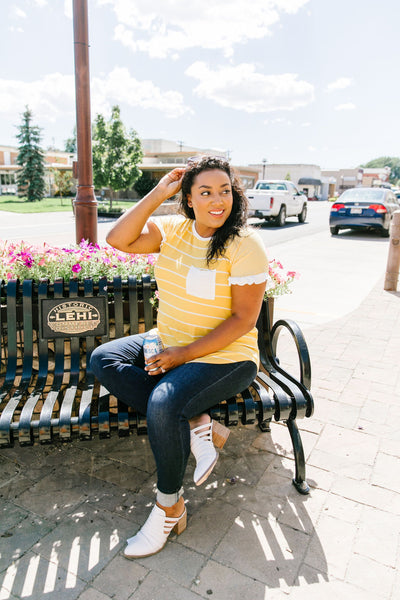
{"points": [[19, 13], [162, 27], [242, 88], [345, 106], [278, 120], [68, 9], [49, 97], [306, 124], [40, 2], [120, 87], [339, 84], [15, 29], [53, 96]]}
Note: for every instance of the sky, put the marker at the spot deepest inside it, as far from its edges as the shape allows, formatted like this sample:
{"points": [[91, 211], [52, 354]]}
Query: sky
{"points": [[288, 81]]}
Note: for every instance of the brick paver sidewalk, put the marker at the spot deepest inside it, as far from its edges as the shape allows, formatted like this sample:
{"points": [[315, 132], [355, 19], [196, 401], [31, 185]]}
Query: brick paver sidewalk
{"points": [[67, 509]]}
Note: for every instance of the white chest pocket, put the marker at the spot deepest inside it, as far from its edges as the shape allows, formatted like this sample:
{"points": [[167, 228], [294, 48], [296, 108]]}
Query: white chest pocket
{"points": [[201, 283]]}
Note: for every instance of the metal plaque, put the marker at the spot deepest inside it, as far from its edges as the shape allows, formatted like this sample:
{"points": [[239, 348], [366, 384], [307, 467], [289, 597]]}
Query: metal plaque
{"points": [[73, 317]]}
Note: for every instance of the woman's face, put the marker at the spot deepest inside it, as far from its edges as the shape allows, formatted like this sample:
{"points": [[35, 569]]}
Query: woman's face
{"points": [[211, 199]]}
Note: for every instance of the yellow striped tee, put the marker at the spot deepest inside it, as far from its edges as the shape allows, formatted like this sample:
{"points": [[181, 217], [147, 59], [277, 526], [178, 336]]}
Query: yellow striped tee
{"points": [[195, 298]]}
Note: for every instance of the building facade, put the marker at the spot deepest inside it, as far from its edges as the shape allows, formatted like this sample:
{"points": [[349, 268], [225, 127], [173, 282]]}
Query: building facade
{"points": [[61, 161], [161, 156]]}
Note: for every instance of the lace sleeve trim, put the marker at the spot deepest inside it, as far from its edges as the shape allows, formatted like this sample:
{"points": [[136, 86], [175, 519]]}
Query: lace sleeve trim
{"points": [[248, 279]]}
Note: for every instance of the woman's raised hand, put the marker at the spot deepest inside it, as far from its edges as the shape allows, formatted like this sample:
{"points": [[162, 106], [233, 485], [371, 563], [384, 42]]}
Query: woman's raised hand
{"points": [[171, 183]]}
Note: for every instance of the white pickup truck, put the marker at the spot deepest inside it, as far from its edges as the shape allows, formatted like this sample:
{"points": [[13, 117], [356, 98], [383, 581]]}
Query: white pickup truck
{"points": [[275, 200]]}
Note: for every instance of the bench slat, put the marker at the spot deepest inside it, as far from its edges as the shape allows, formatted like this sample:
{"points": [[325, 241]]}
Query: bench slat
{"points": [[45, 426], [85, 405], [68, 400], [11, 349], [25, 433]]}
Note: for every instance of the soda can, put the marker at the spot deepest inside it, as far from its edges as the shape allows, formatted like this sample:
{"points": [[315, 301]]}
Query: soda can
{"points": [[152, 345]]}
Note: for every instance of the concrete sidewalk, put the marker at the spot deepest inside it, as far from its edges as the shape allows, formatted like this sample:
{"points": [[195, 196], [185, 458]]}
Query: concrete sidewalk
{"points": [[67, 509]]}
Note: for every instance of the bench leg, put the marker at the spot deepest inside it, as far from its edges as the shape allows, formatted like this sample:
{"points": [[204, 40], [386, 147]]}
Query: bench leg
{"points": [[299, 481]]}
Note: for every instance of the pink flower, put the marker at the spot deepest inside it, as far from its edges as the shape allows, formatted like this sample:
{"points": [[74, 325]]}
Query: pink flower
{"points": [[292, 274], [76, 268]]}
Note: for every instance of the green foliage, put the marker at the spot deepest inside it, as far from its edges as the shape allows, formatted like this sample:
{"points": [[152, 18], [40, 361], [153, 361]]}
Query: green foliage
{"points": [[30, 177], [287, 177], [386, 161], [116, 153], [114, 210], [144, 184], [70, 143], [63, 182]]}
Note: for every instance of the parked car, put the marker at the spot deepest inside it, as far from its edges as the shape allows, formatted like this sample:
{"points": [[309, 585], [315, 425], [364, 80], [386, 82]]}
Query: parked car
{"points": [[275, 200], [364, 208]]}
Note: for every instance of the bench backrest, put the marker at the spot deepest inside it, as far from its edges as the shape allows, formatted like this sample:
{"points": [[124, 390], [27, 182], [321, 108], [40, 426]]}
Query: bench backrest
{"points": [[39, 320]]}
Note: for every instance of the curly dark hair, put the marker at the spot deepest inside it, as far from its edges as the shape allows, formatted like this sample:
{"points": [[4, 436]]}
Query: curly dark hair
{"points": [[238, 216]]}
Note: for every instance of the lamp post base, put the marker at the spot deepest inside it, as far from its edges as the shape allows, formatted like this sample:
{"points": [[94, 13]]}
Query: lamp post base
{"points": [[85, 210]]}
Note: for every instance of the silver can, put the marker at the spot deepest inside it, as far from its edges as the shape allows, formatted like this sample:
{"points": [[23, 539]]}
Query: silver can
{"points": [[152, 344]]}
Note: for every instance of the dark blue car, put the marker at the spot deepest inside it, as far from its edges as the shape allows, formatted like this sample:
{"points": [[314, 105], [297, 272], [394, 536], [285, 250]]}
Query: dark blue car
{"points": [[364, 208]]}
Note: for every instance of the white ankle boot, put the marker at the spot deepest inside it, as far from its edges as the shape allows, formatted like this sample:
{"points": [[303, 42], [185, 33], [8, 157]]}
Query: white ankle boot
{"points": [[202, 440], [152, 537]]}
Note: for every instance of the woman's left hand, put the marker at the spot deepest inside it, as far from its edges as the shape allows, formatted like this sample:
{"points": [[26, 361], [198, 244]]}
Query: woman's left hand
{"points": [[168, 359], [171, 183]]}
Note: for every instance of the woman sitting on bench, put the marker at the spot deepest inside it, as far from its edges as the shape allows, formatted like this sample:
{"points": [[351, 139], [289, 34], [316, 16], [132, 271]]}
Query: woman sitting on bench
{"points": [[211, 275]]}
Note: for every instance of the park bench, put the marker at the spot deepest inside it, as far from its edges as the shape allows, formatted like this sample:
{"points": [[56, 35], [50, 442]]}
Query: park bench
{"points": [[47, 391]]}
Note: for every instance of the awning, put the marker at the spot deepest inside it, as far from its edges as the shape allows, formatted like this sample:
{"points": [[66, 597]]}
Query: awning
{"points": [[309, 181]]}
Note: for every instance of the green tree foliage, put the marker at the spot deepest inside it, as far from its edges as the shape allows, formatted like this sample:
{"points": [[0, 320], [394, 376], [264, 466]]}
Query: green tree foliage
{"points": [[116, 154], [30, 177], [387, 161], [70, 143], [144, 184], [63, 182]]}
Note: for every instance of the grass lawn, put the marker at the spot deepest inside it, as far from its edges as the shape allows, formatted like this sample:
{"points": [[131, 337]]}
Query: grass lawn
{"points": [[21, 205]]}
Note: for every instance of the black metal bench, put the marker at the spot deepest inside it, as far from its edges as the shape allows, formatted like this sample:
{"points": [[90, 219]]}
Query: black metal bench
{"points": [[48, 332]]}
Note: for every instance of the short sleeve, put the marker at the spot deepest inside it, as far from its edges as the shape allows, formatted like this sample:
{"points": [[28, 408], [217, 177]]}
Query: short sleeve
{"points": [[249, 261], [166, 224]]}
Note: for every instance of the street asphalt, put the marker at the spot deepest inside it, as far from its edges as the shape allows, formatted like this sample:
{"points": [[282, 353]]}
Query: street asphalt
{"points": [[67, 509]]}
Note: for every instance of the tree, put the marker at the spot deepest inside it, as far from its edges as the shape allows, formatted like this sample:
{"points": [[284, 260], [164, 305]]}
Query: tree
{"points": [[144, 184], [63, 182], [116, 154], [30, 177], [70, 143], [387, 161]]}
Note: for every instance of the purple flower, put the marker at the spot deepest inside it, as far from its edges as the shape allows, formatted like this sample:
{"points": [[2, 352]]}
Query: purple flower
{"points": [[27, 259], [76, 268]]}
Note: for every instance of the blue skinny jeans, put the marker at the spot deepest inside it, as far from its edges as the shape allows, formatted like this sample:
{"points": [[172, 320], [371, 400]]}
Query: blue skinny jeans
{"points": [[168, 401]]}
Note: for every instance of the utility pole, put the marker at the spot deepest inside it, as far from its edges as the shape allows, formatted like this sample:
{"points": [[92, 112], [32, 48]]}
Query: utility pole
{"points": [[85, 203]]}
